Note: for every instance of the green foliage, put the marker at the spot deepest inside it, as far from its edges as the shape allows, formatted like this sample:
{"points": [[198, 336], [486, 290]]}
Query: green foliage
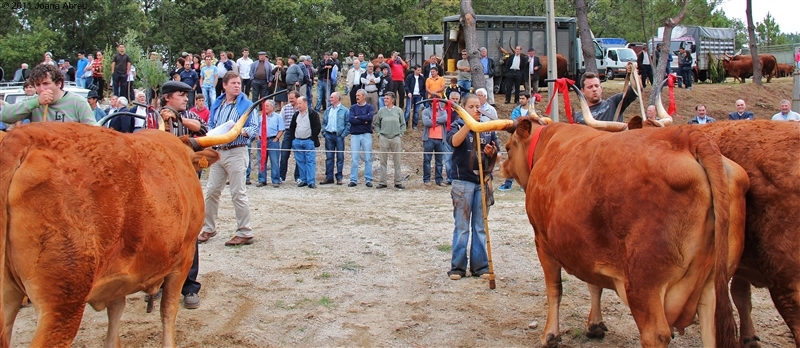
{"points": [[26, 46], [769, 33]]}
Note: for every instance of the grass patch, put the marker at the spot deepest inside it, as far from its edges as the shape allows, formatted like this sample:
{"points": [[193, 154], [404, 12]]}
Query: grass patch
{"points": [[325, 301], [350, 266], [325, 275], [444, 247]]}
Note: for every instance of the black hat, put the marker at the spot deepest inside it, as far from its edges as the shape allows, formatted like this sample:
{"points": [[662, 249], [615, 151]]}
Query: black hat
{"points": [[293, 57], [174, 86], [93, 94], [531, 49]]}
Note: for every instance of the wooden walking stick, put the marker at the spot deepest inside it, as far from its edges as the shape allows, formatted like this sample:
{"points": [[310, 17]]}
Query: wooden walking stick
{"points": [[485, 214]]}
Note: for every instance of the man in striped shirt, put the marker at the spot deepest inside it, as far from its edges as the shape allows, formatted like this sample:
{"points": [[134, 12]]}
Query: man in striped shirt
{"points": [[230, 106], [61, 105], [286, 145]]}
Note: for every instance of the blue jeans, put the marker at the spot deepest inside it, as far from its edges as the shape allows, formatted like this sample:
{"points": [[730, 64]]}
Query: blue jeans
{"points": [[447, 159], [468, 215], [310, 95], [381, 103], [334, 148], [274, 155], [210, 94], [323, 95], [80, 82], [429, 146], [361, 144], [413, 101], [466, 84], [305, 154]]}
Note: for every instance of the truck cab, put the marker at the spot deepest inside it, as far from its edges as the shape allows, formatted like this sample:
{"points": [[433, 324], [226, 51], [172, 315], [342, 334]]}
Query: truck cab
{"points": [[615, 61]]}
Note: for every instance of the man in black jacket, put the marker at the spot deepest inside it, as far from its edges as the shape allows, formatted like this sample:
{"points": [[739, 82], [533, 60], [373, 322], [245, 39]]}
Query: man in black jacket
{"points": [[305, 128], [432, 63], [645, 68], [415, 91], [514, 66], [533, 71]]}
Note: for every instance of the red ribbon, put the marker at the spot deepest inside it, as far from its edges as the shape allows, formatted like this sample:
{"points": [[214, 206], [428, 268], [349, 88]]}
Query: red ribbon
{"points": [[562, 86], [264, 138], [532, 147], [671, 78], [435, 107], [449, 108]]}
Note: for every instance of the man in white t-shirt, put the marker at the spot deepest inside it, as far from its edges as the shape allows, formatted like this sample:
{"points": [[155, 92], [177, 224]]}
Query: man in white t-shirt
{"points": [[244, 71]]}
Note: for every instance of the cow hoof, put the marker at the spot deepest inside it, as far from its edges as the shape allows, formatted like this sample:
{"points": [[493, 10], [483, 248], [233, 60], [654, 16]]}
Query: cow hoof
{"points": [[597, 331], [752, 342], [552, 341]]}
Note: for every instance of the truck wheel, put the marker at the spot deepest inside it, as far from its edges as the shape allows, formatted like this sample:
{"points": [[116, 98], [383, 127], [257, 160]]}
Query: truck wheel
{"points": [[609, 74]]}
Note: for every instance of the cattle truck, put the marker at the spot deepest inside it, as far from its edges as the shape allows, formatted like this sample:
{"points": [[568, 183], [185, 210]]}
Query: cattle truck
{"points": [[506, 32], [702, 41]]}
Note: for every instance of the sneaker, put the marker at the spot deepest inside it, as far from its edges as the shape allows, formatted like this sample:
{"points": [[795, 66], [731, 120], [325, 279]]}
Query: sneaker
{"points": [[381, 186], [351, 184], [455, 276], [399, 187], [427, 183], [688, 88], [248, 182], [191, 301], [369, 184], [504, 187]]}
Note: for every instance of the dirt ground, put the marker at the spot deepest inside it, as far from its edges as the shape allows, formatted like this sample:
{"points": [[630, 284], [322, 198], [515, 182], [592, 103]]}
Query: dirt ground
{"points": [[339, 266]]}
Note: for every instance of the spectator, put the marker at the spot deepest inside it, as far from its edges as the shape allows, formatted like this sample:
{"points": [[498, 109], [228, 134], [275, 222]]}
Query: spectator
{"points": [[433, 64], [230, 106], [306, 127], [92, 97], [513, 67], [686, 68], [488, 73], [279, 74], [336, 127], [223, 66], [120, 67], [310, 72], [61, 106], [48, 59], [97, 73], [370, 81], [348, 64], [533, 71], [464, 74], [22, 73], [287, 112], [386, 84], [466, 193], [361, 115], [129, 83], [486, 109], [353, 81], [741, 112], [390, 126], [274, 131], [190, 77], [786, 113], [519, 111], [80, 69], [650, 113], [701, 117], [415, 91], [324, 81], [603, 109], [434, 85], [454, 87], [244, 71], [645, 68], [208, 79], [434, 135], [261, 72], [141, 108], [398, 69], [294, 74], [200, 108]]}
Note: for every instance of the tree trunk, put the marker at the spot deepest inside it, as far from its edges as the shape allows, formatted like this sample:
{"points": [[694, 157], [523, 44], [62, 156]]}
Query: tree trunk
{"points": [[751, 33], [587, 45], [661, 69], [468, 18]]}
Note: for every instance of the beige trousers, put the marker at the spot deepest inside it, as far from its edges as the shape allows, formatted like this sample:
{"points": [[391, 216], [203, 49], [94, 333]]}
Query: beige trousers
{"points": [[231, 166], [390, 145]]}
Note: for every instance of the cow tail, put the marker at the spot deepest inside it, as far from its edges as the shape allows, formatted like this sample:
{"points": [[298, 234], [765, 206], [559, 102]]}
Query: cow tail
{"points": [[710, 158], [9, 162]]}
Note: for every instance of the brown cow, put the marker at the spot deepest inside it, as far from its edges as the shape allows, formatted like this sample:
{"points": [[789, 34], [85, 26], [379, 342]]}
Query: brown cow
{"points": [[91, 215], [561, 67], [784, 70], [741, 66], [669, 264]]}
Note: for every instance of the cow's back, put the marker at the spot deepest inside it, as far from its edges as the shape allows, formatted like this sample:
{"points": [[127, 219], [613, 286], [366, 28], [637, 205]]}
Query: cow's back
{"points": [[99, 213]]}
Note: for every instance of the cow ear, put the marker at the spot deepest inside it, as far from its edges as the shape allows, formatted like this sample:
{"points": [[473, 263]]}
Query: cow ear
{"points": [[523, 130], [635, 122], [204, 158]]}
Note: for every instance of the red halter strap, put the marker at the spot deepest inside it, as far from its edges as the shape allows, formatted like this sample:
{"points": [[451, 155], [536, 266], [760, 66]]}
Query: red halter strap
{"points": [[532, 147]]}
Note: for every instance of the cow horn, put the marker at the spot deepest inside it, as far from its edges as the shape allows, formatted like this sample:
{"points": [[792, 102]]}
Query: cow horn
{"points": [[208, 141], [610, 126], [663, 117], [488, 126]]}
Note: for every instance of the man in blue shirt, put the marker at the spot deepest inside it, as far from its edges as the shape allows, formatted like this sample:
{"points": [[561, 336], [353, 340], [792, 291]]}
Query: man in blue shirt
{"points": [[189, 76], [80, 69], [275, 129], [335, 127]]}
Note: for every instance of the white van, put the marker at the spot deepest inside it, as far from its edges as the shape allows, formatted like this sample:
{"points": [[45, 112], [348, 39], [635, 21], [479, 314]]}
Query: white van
{"points": [[615, 61]]}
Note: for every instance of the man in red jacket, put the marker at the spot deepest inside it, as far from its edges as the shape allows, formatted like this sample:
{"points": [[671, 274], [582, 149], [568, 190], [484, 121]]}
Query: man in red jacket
{"points": [[398, 68]]}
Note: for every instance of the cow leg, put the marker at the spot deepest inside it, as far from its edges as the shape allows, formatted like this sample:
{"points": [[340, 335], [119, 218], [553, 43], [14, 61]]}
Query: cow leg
{"points": [[58, 322], [552, 280], [706, 306], [740, 292], [785, 297], [12, 298], [596, 328], [114, 311], [170, 301], [647, 308]]}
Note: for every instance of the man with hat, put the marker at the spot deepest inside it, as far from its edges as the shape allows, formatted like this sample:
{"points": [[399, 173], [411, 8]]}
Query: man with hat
{"points": [[261, 73], [179, 121], [533, 71], [93, 97]]}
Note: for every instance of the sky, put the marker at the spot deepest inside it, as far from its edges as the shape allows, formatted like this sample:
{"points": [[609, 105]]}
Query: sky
{"points": [[785, 12]]}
